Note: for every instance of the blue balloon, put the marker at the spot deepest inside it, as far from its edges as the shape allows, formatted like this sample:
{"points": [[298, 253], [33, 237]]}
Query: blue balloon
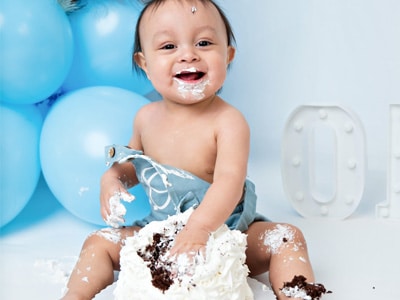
{"points": [[20, 127], [36, 49], [77, 128], [104, 34]]}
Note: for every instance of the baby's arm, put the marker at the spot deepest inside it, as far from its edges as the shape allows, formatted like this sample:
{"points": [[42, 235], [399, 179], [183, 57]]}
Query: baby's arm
{"points": [[120, 176], [233, 139], [116, 180]]}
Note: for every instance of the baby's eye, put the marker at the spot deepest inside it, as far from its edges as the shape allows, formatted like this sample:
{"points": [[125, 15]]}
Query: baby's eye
{"points": [[203, 43], [168, 47]]}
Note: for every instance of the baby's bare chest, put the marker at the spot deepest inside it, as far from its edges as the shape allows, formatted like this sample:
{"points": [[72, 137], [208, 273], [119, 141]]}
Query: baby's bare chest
{"points": [[192, 148]]}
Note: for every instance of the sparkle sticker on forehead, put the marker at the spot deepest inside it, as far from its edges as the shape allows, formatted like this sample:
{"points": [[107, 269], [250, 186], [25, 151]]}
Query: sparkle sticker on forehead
{"points": [[194, 9]]}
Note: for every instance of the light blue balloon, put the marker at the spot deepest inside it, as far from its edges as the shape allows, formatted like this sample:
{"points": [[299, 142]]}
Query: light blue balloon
{"points": [[77, 128], [104, 35], [20, 127], [36, 49]]}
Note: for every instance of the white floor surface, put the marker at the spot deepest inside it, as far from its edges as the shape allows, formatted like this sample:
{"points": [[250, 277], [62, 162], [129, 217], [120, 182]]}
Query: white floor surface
{"points": [[356, 258]]}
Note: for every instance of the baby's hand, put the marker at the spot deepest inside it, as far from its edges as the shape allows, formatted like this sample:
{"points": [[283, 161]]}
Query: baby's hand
{"points": [[117, 209], [190, 241]]}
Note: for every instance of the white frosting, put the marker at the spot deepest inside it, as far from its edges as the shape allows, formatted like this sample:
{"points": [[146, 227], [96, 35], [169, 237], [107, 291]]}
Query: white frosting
{"points": [[196, 90], [296, 292], [118, 210], [221, 274], [279, 236]]}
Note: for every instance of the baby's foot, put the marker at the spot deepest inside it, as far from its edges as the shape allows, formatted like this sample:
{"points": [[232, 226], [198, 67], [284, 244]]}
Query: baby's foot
{"points": [[300, 289]]}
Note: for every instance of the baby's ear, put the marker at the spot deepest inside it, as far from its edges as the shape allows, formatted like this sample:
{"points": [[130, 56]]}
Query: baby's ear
{"points": [[231, 54], [140, 60]]}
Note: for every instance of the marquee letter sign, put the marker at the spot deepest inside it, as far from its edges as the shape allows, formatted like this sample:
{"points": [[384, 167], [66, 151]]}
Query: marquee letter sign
{"points": [[391, 208], [323, 161]]}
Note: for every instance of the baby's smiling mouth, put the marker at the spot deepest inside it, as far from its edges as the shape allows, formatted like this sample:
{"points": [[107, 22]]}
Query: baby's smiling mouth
{"points": [[191, 83], [189, 75]]}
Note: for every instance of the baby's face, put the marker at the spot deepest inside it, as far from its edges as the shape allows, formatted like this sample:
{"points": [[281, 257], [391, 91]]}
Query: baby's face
{"points": [[185, 50]]}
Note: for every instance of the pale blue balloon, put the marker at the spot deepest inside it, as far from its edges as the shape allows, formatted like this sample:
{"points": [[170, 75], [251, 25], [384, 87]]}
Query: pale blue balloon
{"points": [[104, 35], [36, 49], [77, 128], [20, 127]]}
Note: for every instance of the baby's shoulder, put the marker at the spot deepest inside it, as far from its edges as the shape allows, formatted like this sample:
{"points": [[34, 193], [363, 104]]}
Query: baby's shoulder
{"points": [[227, 113], [148, 110]]}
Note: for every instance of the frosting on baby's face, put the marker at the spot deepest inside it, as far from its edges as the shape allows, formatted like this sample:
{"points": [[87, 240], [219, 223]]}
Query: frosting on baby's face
{"points": [[184, 54], [191, 83]]}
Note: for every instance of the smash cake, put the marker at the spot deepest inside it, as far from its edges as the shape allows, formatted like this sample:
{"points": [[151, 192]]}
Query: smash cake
{"points": [[148, 272]]}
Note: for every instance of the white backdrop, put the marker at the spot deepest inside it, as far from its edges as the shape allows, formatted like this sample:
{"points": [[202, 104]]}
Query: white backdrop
{"points": [[290, 53]]}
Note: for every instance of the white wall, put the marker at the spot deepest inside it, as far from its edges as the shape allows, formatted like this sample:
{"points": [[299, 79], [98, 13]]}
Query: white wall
{"points": [[294, 52]]}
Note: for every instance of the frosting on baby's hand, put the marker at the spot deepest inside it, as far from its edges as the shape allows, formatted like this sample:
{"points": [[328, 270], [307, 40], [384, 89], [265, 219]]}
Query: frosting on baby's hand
{"points": [[116, 218]]}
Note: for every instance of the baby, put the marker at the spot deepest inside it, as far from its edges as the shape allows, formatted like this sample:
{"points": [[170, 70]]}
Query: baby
{"points": [[190, 149]]}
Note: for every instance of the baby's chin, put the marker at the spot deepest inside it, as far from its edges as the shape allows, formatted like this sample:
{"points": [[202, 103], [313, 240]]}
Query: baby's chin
{"points": [[191, 90]]}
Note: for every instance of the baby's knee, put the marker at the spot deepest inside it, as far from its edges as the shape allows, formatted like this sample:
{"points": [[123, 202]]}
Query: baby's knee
{"points": [[284, 236], [296, 233], [103, 238]]}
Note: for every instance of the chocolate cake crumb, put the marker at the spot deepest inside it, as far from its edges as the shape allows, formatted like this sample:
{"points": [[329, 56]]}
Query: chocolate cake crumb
{"points": [[160, 270], [314, 291]]}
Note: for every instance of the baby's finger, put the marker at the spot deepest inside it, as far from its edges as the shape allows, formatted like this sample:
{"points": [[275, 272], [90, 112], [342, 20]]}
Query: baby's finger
{"points": [[105, 211], [190, 250], [114, 221], [127, 197]]}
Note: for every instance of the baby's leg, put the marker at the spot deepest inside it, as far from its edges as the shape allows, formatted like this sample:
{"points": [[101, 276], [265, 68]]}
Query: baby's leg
{"points": [[280, 249], [98, 259]]}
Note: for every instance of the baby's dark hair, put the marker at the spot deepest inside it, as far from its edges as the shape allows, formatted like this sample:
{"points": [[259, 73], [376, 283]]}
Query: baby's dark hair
{"points": [[137, 47]]}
